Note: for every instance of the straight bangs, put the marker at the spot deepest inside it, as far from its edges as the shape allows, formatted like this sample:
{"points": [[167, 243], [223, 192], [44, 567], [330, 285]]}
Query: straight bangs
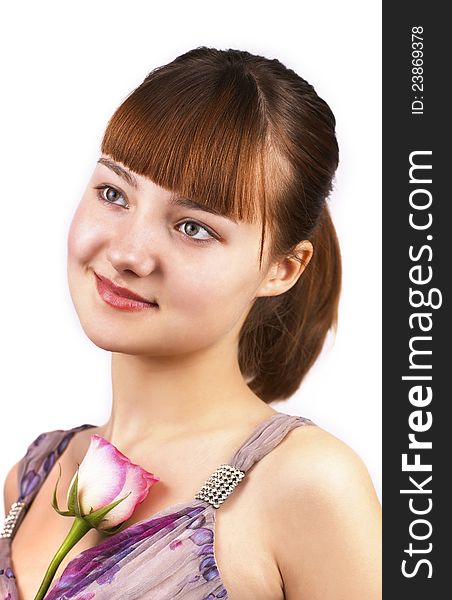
{"points": [[200, 133]]}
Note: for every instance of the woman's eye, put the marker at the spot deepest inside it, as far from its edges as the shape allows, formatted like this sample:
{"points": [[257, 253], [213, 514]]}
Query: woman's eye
{"points": [[109, 194], [193, 228]]}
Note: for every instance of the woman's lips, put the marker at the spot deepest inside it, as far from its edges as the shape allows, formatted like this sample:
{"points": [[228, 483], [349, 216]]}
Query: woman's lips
{"points": [[120, 298]]}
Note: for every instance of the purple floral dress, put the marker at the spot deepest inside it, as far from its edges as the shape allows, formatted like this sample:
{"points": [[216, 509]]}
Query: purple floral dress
{"points": [[165, 557]]}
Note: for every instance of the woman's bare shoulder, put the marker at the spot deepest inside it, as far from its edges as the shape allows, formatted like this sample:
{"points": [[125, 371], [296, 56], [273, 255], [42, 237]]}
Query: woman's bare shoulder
{"points": [[10, 489], [313, 464], [313, 452], [326, 518]]}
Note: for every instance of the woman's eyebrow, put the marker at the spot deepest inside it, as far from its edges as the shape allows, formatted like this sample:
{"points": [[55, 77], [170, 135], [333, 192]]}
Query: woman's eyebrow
{"points": [[127, 175], [175, 200]]}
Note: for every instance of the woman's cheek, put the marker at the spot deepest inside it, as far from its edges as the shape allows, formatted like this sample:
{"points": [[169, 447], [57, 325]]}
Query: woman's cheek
{"points": [[84, 237], [221, 289]]}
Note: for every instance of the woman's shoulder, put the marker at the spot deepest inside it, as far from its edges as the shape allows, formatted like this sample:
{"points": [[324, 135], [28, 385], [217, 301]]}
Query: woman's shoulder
{"points": [[314, 454], [312, 462], [40, 451], [10, 491], [10, 486], [326, 516]]}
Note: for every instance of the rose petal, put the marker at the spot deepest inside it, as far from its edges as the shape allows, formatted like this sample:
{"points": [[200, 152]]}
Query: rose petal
{"points": [[106, 475]]}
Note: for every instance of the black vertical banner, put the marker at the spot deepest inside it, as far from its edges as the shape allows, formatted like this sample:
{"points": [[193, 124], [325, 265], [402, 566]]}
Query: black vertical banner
{"points": [[417, 269]]}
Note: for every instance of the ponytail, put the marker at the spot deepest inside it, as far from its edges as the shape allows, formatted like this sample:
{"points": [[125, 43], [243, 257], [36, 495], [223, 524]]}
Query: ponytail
{"points": [[283, 335]]}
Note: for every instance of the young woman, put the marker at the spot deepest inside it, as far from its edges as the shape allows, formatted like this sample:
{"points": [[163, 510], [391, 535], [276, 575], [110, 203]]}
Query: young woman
{"points": [[203, 257]]}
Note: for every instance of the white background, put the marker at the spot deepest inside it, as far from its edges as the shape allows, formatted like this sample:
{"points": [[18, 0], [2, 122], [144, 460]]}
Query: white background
{"points": [[65, 69]]}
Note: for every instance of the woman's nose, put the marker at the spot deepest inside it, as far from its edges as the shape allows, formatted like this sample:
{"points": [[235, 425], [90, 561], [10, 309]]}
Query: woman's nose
{"points": [[128, 250]]}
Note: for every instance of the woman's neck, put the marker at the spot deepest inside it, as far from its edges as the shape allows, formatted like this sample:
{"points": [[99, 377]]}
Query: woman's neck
{"points": [[157, 400]]}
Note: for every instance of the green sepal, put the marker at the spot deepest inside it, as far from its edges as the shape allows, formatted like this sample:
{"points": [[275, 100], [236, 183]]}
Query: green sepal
{"points": [[73, 503], [112, 530], [94, 518], [65, 513]]}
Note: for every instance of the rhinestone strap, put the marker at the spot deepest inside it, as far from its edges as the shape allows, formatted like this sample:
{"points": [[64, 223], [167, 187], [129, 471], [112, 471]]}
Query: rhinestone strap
{"points": [[220, 485], [12, 518]]}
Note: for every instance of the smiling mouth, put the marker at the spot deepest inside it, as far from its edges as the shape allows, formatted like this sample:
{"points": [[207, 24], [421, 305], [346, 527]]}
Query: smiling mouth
{"points": [[120, 298]]}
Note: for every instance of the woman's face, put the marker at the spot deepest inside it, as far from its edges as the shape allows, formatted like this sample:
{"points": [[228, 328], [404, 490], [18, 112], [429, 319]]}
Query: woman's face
{"points": [[202, 269]]}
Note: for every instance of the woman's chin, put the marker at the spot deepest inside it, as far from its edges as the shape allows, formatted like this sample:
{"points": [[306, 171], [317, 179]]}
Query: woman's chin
{"points": [[106, 341], [114, 340]]}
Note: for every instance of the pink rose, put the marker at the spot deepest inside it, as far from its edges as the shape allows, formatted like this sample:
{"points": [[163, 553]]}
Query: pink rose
{"points": [[105, 476], [104, 492]]}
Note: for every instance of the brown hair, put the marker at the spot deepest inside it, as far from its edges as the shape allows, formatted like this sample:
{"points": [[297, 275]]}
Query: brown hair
{"points": [[250, 138]]}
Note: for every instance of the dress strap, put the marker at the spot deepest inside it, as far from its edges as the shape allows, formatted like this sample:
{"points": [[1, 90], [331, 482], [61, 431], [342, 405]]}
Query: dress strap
{"points": [[39, 459], [32, 470], [265, 437]]}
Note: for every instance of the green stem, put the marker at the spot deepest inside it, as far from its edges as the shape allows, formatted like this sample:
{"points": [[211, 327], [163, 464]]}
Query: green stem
{"points": [[78, 530]]}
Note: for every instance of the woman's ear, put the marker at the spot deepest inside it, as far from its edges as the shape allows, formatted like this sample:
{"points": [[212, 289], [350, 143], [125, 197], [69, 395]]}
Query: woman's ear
{"points": [[283, 274]]}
